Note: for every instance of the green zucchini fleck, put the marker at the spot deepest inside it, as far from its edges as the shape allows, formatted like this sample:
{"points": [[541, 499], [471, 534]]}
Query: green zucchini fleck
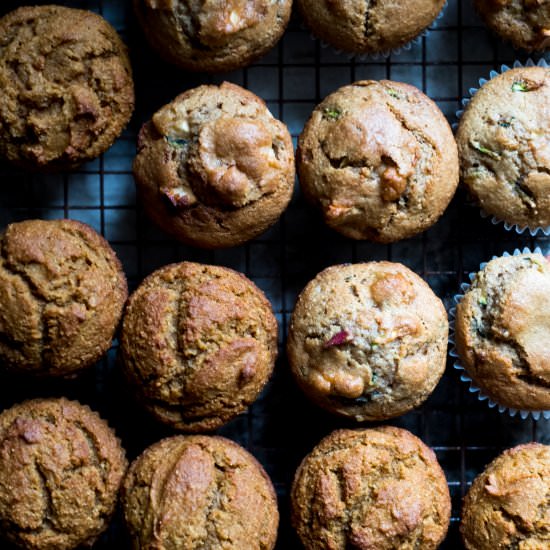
{"points": [[478, 147], [520, 86], [177, 142], [332, 113]]}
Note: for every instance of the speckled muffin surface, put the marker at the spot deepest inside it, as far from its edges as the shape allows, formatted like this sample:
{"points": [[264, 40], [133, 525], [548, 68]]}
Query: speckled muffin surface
{"points": [[503, 330], [214, 168], [504, 148], [368, 26], [199, 343], [379, 488], [62, 291], [508, 505], [67, 89], [199, 492], [368, 341], [213, 35], [379, 160], [61, 467]]}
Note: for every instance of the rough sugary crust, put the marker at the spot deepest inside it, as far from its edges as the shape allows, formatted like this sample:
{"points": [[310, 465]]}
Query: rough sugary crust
{"points": [[508, 505], [503, 330], [67, 89], [368, 341], [214, 168], [380, 488], [379, 160], [199, 492], [198, 343], [60, 471], [62, 291]]}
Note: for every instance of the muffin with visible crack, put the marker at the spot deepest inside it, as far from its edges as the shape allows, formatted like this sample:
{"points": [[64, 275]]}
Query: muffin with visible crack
{"points": [[368, 341], [503, 329], [199, 492], [214, 168], [211, 35], [379, 160], [67, 88], [198, 344], [62, 291], [508, 505], [61, 467], [379, 488], [504, 148]]}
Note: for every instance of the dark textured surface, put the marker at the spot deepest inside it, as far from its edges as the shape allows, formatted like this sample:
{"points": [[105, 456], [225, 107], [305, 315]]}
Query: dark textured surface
{"points": [[282, 427]]}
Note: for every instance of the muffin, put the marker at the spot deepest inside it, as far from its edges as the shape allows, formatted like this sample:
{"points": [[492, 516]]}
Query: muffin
{"points": [[504, 150], [379, 160], [380, 488], [199, 492], [368, 27], [198, 344], [61, 467], [524, 23], [508, 506], [213, 36], [503, 329], [368, 341], [62, 291], [67, 89], [214, 168]]}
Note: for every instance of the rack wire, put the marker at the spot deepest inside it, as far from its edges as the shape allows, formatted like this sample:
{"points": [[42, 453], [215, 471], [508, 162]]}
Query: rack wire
{"points": [[282, 427]]}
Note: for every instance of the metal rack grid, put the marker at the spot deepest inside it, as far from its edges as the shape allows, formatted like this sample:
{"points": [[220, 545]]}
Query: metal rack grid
{"points": [[282, 427]]}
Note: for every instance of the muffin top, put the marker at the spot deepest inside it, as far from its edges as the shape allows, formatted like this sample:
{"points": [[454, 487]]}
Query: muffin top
{"points": [[60, 470], [368, 27], [368, 340], [503, 330], [62, 291], [199, 343], [379, 488], [67, 89], [504, 147], [508, 506], [214, 167], [199, 492], [212, 35], [379, 160]]}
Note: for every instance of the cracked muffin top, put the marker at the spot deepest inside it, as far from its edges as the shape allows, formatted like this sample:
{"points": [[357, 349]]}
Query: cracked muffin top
{"points": [[214, 168], [67, 89], [199, 492], [212, 35], [198, 344], [379, 488], [61, 467], [379, 160], [504, 147], [62, 291], [368, 26], [503, 330], [368, 341], [508, 505]]}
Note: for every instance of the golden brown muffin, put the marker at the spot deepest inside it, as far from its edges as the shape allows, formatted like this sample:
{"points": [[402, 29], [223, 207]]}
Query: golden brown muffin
{"points": [[379, 160], [199, 492], [61, 467], [368, 341], [62, 291], [508, 505], [504, 147], [371, 489], [198, 343], [213, 35], [67, 89], [214, 168], [503, 331]]}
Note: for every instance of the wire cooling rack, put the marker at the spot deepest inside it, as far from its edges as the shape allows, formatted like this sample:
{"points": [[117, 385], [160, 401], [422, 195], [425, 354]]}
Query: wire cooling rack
{"points": [[282, 427]]}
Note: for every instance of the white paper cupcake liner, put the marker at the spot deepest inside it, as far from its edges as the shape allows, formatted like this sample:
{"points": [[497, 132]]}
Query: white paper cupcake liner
{"points": [[464, 377], [519, 229]]}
